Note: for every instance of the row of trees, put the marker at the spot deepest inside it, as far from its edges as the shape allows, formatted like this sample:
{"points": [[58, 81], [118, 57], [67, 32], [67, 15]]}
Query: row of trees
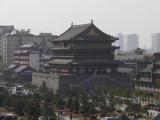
{"points": [[43, 102], [39, 104]]}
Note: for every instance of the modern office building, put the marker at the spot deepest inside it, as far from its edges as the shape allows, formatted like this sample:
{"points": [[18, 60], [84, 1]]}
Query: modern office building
{"points": [[121, 41], [6, 29], [155, 44], [131, 42]]}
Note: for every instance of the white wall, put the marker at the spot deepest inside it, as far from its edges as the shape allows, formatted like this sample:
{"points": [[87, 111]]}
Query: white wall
{"points": [[34, 60], [51, 81], [156, 42]]}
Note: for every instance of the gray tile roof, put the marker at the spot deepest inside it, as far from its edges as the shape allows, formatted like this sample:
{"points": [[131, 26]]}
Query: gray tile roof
{"points": [[157, 117], [73, 31], [148, 68], [20, 68], [157, 71], [76, 30]]}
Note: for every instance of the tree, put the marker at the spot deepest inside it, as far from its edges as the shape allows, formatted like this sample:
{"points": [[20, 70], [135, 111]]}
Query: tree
{"points": [[123, 117], [133, 109], [47, 100], [85, 106], [136, 108], [19, 106], [33, 109], [60, 103], [76, 105], [70, 103], [8, 101], [48, 111]]}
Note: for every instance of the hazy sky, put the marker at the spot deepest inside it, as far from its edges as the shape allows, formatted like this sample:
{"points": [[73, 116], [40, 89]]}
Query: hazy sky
{"points": [[112, 16]]}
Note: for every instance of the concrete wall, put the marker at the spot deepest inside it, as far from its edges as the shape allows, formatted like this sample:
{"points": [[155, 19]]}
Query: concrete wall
{"points": [[51, 81], [34, 60]]}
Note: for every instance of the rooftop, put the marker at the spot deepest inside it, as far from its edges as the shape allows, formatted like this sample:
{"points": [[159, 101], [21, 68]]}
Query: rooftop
{"points": [[148, 68], [76, 30], [27, 45], [73, 31]]}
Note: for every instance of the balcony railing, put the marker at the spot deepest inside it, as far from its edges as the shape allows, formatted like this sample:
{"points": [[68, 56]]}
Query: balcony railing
{"points": [[148, 89]]}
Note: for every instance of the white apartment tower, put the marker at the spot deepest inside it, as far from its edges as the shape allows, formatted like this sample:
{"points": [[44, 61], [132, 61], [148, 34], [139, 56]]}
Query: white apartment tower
{"points": [[131, 42], [155, 44]]}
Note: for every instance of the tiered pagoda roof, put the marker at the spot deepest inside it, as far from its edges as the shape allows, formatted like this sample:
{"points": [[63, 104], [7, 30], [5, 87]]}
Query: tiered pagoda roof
{"points": [[80, 32], [84, 48]]}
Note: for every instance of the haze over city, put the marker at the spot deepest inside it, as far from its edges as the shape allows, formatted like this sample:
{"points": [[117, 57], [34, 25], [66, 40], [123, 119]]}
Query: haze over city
{"points": [[112, 16], [79, 59]]}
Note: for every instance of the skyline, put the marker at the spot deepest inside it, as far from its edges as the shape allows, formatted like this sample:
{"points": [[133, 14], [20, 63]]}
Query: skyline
{"points": [[112, 16]]}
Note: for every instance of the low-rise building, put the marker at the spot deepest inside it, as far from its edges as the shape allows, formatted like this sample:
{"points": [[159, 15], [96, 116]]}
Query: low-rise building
{"points": [[134, 55], [7, 115], [148, 79], [24, 72], [29, 55], [21, 72]]}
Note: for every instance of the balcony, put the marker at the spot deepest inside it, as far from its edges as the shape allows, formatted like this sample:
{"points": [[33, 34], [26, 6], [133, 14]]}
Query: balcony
{"points": [[157, 90], [142, 79], [145, 89]]}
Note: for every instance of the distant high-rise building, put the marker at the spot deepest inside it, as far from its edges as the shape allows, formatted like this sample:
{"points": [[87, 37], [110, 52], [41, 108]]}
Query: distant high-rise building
{"points": [[131, 42], [155, 42], [6, 29], [121, 41], [9, 43]]}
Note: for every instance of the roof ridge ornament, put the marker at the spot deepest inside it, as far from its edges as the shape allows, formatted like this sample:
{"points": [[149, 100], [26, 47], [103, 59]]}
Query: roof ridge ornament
{"points": [[72, 24], [92, 21]]}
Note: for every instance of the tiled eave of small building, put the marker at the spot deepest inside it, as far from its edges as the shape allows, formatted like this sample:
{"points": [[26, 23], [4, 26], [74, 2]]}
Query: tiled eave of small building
{"points": [[83, 48], [85, 62]]}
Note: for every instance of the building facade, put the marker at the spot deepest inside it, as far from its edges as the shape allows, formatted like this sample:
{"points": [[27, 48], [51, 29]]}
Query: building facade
{"points": [[6, 30], [131, 42], [148, 78], [155, 42], [51, 81], [9, 43], [83, 56], [83, 49], [29, 55], [121, 41]]}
